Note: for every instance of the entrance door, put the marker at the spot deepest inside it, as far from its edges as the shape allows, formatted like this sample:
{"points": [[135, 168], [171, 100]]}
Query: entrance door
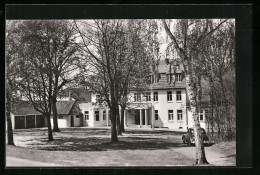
{"points": [[71, 121], [143, 116], [19, 122], [137, 117]]}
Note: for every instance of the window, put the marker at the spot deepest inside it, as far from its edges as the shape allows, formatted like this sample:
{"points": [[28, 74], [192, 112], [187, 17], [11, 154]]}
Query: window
{"points": [[109, 115], [137, 97], [178, 78], [97, 115], [97, 98], [178, 96], [152, 78], [179, 114], [104, 115], [201, 116], [168, 78], [169, 95], [77, 116], [155, 96], [86, 115], [148, 96], [170, 114], [156, 114], [60, 117]]}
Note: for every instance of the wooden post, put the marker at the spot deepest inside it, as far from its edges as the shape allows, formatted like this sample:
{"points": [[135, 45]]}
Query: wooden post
{"points": [[25, 121], [141, 118], [35, 121], [107, 115]]}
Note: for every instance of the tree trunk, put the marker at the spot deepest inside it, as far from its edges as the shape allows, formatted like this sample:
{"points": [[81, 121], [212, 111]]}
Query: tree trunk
{"points": [[50, 137], [10, 139], [200, 152], [55, 118], [122, 124], [118, 123], [114, 137]]}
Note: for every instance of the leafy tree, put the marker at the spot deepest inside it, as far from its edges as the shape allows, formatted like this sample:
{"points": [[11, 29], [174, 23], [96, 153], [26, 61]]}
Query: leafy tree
{"points": [[48, 62], [185, 38]]}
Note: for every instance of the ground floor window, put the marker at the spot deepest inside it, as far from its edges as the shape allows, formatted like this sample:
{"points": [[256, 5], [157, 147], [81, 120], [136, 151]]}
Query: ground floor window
{"points": [[97, 115], [156, 114], [86, 115], [104, 115], [170, 115], [179, 114]]}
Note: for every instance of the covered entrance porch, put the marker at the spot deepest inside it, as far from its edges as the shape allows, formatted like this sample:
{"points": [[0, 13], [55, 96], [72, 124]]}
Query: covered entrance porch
{"points": [[139, 117]]}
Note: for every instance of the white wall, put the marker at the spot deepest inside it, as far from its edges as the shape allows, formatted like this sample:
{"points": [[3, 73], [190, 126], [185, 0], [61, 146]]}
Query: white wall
{"points": [[162, 105]]}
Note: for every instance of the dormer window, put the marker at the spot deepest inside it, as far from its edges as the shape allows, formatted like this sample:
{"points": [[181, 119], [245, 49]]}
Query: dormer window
{"points": [[178, 77], [151, 78], [97, 98]]}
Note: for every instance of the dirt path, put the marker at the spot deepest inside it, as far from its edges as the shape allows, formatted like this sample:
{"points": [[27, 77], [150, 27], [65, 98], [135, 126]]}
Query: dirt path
{"points": [[214, 156]]}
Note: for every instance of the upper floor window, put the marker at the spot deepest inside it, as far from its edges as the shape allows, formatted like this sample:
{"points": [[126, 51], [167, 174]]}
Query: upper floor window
{"points": [[60, 117], [97, 98], [97, 115], [179, 114], [178, 77], [104, 115], [156, 116], [148, 96], [86, 115], [152, 78], [169, 95], [178, 96], [170, 114], [155, 96], [201, 115], [137, 97]]}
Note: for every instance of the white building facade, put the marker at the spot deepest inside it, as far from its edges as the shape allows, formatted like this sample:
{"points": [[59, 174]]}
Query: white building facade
{"points": [[163, 105]]}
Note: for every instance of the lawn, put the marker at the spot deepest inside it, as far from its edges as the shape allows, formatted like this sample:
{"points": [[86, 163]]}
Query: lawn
{"points": [[92, 147]]}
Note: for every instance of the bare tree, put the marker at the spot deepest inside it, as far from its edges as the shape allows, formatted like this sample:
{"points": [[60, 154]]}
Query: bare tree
{"points": [[113, 48], [185, 39]]}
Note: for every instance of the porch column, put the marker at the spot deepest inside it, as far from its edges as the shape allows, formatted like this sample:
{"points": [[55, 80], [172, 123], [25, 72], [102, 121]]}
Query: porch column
{"points": [[125, 119], [35, 120], [141, 118], [107, 115], [146, 117], [25, 121]]}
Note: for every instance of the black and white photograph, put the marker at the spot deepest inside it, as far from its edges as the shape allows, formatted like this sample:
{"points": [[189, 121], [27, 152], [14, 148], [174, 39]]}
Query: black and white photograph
{"points": [[120, 92]]}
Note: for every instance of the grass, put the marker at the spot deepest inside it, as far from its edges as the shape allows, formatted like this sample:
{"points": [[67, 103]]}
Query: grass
{"points": [[92, 147]]}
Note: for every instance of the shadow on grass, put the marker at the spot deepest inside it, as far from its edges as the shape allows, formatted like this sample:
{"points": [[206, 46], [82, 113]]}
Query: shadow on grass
{"points": [[103, 144]]}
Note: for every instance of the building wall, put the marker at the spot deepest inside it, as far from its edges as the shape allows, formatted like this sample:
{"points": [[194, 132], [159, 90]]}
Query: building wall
{"points": [[92, 120], [162, 105]]}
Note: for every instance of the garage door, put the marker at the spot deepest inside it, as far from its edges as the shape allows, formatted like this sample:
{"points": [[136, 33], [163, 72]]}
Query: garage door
{"points": [[19, 122], [40, 121], [30, 121]]}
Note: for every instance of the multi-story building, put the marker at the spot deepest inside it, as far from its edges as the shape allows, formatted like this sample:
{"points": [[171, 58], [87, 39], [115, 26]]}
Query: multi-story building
{"points": [[163, 104]]}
